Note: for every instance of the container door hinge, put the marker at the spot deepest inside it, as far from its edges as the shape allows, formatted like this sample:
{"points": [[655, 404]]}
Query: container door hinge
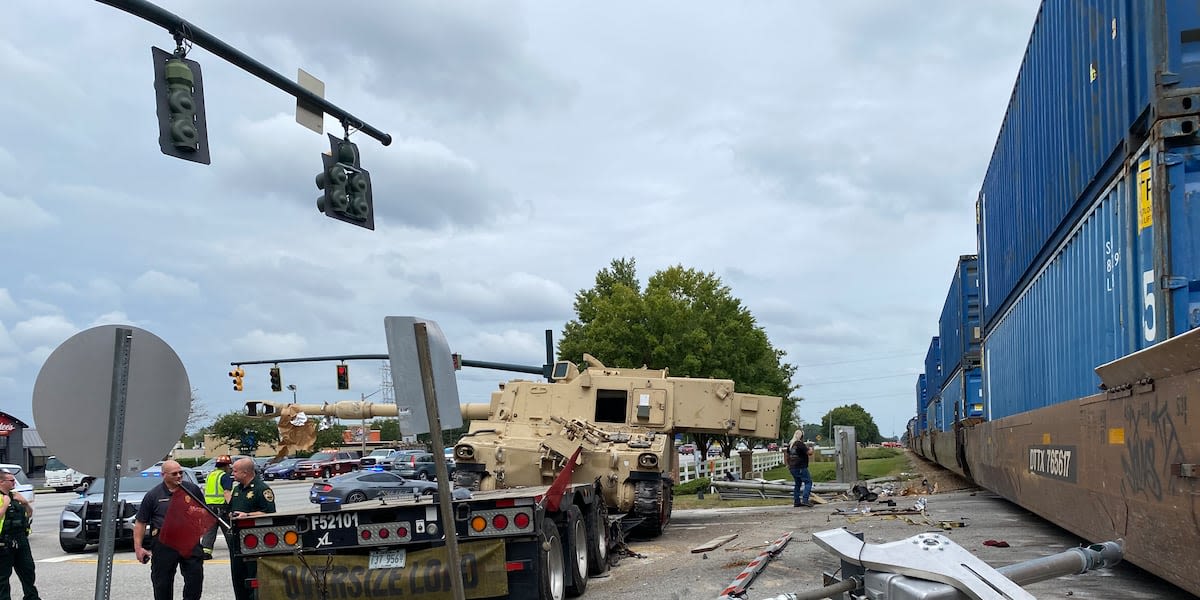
{"points": [[1188, 470], [1174, 283]]}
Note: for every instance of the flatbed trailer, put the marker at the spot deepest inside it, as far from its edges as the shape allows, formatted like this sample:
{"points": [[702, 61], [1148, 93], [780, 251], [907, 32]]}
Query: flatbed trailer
{"points": [[533, 542]]}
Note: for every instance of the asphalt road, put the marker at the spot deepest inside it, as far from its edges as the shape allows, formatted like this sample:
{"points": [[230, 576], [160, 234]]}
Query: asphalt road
{"points": [[665, 567]]}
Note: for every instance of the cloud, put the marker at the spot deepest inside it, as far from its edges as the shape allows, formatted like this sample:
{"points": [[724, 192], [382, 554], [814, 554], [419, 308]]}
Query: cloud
{"points": [[7, 306], [156, 283], [261, 343], [23, 214]]}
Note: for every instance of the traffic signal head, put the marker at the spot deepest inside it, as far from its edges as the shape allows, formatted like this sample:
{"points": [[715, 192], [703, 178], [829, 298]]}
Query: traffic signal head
{"points": [[237, 374], [179, 95], [346, 186], [276, 380], [457, 360], [343, 377]]}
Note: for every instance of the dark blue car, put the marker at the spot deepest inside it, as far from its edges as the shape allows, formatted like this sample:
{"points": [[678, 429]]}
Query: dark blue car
{"points": [[284, 469]]}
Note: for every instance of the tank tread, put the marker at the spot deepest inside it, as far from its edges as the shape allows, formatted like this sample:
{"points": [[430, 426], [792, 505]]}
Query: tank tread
{"points": [[652, 502]]}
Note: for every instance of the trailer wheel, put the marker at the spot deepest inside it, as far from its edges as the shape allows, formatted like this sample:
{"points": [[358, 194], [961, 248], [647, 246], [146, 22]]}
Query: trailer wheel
{"points": [[597, 532], [575, 536], [552, 576]]}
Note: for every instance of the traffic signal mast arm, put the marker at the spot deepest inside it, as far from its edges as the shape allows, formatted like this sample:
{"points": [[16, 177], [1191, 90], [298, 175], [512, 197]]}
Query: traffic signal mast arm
{"points": [[179, 27]]}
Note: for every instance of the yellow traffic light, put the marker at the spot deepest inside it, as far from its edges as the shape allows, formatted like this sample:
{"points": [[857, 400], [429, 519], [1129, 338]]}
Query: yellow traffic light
{"points": [[237, 374]]}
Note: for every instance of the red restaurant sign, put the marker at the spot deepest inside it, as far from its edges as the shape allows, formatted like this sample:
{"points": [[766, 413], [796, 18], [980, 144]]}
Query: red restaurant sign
{"points": [[7, 426]]}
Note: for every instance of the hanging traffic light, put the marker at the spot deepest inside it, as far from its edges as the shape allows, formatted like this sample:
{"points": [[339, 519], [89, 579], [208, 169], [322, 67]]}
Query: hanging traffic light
{"points": [[346, 185], [237, 374], [179, 95], [343, 377], [276, 380], [457, 360]]}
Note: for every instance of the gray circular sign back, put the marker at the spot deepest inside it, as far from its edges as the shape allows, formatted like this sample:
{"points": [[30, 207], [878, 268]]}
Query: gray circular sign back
{"points": [[73, 395]]}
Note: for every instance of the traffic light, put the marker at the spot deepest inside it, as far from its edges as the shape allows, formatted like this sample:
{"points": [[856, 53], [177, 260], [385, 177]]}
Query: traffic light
{"points": [[457, 360], [343, 377], [276, 380], [179, 95], [346, 186], [237, 374]]}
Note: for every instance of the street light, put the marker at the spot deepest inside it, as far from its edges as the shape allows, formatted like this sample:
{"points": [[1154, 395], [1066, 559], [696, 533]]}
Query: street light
{"points": [[292, 386]]}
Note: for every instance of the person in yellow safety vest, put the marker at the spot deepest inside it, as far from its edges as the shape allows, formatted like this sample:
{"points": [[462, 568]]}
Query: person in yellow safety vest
{"points": [[217, 488]]}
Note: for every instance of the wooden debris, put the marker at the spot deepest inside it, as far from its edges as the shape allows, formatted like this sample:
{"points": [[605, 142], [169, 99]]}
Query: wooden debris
{"points": [[714, 543]]}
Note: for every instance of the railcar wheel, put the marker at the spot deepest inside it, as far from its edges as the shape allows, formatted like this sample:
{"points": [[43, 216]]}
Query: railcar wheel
{"points": [[552, 576]]}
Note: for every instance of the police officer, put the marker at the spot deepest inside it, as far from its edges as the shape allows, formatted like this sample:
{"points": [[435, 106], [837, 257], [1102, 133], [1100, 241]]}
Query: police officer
{"points": [[16, 514], [251, 497], [217, 488], [163, 558]]}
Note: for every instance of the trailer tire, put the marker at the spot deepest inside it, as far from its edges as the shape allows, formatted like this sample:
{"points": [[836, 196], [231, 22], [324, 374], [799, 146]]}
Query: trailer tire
{"points": [[552, 572], [576, 545], [597, 532]]}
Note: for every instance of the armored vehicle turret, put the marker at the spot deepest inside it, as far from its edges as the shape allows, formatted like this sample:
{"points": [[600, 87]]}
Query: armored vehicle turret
{"points": [[623, 423]]}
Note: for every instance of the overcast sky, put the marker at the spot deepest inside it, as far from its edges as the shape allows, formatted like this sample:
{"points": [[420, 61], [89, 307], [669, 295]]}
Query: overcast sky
{"points": [[822, 159]]}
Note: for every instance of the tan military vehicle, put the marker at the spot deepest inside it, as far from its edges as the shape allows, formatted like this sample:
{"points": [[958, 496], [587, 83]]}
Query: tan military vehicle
{"points": [[623, 421]]}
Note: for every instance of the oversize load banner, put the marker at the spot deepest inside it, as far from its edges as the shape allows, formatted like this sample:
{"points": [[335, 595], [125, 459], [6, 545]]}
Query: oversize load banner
{"points": [[424, 575]]}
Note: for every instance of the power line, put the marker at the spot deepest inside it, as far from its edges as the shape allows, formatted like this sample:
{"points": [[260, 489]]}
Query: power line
{"points": [[857, 380], [858, 360]]}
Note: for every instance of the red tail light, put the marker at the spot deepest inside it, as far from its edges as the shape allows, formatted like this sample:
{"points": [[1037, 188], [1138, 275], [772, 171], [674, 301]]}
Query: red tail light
{"points": [[500, 522], [323, 487], [250, 541]]}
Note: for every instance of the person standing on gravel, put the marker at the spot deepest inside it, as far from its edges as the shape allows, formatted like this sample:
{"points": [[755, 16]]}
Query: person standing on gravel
{"points": [[798, 453]]}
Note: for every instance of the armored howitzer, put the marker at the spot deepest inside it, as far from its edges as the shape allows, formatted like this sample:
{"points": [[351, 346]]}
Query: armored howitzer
{"points": [[624, 420]]}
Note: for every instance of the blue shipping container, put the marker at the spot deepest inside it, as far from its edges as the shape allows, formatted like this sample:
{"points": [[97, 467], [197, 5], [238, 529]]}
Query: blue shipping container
{"points": [[1086, 87], [1126, 277], [933, 364], [959, 327], [961, 398], [922, 401]]}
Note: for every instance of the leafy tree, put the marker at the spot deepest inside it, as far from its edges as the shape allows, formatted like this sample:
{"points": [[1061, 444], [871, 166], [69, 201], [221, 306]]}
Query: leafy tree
{"points": [[450, 437], [686, 321], [234, 428], [389, 429], [854, 415], [330, 437]]}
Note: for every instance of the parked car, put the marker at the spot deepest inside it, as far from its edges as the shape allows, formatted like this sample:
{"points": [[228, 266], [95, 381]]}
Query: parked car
{"points": [[24, 487], [417, 465], [79, 523], [327, 464], [366, 485], [772, 447], [687, 449], [284, 469]]}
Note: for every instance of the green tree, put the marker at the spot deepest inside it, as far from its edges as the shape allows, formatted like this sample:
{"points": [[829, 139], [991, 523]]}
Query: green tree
{"points": [[389, 429], [330, 437], [854, 415], [235, 428], [686, 321]]}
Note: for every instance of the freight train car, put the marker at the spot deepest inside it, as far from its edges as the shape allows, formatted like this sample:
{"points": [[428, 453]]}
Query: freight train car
{"points": [[1076, 403]]}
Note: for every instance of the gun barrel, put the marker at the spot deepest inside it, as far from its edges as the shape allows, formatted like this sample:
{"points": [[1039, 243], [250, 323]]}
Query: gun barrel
{"points": [[346, 409]]}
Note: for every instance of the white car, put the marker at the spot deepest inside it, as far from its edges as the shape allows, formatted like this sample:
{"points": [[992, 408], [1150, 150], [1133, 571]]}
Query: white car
{"points": [[23, 486]]}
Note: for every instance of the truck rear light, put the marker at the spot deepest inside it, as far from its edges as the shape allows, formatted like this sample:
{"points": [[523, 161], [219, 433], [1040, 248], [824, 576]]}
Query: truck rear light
{"points": [[521, 520], [500, 522], [383, 533], [250, 541], [291, 538], [514, 565], [365, 534], [271, 540], [402, 531], [478, 524]]}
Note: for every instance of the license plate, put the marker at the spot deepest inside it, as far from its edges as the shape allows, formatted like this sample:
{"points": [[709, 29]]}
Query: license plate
{"points": [[387, 559]]}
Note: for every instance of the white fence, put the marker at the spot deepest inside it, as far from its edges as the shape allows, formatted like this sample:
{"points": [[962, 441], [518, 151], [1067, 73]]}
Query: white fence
{"points": [[714, 468]]}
